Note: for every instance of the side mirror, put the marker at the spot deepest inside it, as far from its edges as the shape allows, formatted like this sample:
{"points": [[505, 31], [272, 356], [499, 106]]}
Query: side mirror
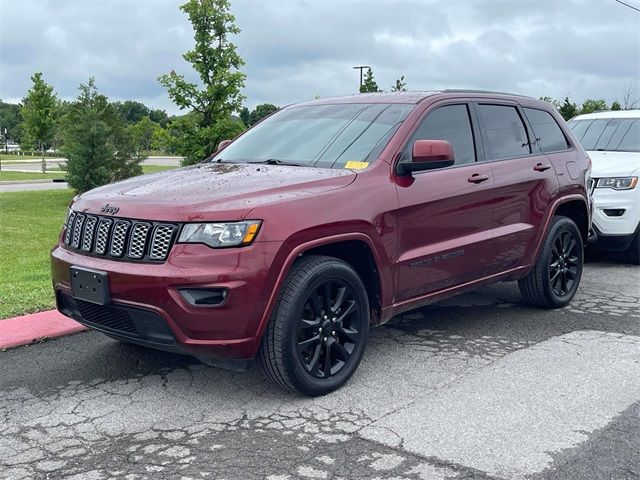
{"points": [[428, 154], [223, 144]]}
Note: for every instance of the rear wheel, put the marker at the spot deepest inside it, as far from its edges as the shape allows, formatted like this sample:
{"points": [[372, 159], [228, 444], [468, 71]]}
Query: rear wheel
{"points": [[556, 275], [318, 330]]}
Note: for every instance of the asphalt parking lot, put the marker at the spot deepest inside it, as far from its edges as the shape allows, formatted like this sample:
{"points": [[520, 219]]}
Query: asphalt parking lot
{"points": [[477, 387]]}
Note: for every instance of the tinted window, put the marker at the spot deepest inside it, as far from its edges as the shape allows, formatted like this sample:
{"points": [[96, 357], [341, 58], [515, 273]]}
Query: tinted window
{"points": [[450, 123], [504, 132], [322, 135], [592, 134], [611, 134], [548, 133]]}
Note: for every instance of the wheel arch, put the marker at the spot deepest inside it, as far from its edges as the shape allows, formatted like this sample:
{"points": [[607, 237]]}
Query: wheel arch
{"points": [[357, 249], [575, 208]]}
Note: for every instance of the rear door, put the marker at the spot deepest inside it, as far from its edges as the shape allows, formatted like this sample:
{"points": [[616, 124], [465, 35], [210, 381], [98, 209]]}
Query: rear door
{"points": [[445, 215], [524, 182]]}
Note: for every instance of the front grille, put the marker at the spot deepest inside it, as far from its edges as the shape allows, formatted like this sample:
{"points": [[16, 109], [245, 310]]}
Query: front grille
{"points": [[119, 238], [117, 319]]}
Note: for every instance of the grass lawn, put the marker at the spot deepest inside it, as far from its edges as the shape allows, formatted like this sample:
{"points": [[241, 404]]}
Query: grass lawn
{"points": [[30, 223], [13, 156], [6, 175]]}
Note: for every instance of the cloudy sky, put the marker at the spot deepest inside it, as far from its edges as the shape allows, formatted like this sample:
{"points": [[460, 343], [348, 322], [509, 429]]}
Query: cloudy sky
{"points": [[297, 49]]}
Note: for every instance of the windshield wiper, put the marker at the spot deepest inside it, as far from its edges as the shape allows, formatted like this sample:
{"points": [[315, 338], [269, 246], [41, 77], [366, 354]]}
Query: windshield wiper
{"points": [[274, 161]]}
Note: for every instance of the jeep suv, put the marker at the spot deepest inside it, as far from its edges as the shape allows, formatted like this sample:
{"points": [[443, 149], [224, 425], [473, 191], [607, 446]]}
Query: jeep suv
{"points": [[328, 217], [612, 140]]}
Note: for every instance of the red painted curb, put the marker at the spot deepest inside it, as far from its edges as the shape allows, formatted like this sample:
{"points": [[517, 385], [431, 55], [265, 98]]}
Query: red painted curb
{"points": [[30, 328]]}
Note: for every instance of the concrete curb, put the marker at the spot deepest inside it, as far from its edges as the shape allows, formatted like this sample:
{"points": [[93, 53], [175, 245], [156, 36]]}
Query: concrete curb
{"points": [[22, 182], [31, 328]]}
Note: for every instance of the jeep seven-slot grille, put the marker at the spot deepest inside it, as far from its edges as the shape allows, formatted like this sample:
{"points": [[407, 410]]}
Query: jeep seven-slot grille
{"points": [[119, 238]]}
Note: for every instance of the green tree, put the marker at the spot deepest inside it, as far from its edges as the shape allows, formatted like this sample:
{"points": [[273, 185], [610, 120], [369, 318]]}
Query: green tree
{"points": [[260, 112], [369, 84], [131, 111], [616, 106], [244, 115], [98, 147], [218, 64], [159, 116], [142, 133], [11, 119], [400, 86], [590, 105], [39, 115], [161, 140], [568, 110]]}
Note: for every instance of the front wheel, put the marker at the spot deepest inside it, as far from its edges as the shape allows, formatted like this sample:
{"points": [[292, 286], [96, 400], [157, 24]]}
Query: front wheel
{"points": [[318, 330], [556, 275]]}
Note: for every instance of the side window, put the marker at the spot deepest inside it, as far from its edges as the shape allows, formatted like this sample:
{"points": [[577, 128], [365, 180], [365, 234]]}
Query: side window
{"points": [[548, 133], [450, 123], [504, 132]]}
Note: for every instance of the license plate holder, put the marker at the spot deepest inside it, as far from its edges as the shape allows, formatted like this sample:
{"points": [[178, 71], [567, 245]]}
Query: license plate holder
{"points": [[90, 285]]}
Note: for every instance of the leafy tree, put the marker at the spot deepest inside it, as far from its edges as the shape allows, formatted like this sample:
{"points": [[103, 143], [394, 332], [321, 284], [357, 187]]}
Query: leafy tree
{"points": [[590, 105], [142, 133], [616, 106], [244, 115], [217, 63], [568, 110], [131, 111], [159, 116], [369, 84], [39, 115], [161, 140], [260, 112], [11, 119], [400, 86], [97, 145]]}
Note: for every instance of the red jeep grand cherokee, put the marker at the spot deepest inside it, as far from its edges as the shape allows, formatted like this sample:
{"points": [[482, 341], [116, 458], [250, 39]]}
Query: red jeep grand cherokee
{"points": [[326, 218]]}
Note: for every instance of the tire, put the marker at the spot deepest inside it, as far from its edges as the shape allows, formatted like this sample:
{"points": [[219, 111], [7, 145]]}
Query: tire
{"points": [[555, 277], [293, 354], [633, 252]]}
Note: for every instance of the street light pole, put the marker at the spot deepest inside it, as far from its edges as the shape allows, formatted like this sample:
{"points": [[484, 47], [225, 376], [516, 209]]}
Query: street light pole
{"points": [[361, 68]]}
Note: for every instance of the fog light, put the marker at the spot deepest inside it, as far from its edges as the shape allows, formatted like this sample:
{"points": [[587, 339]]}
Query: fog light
{"points": [[613, 212], [204, 297]]}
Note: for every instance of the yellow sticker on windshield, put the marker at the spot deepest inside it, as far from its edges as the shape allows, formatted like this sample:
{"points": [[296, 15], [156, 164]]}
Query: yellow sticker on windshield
{"points": [[356, 165]]}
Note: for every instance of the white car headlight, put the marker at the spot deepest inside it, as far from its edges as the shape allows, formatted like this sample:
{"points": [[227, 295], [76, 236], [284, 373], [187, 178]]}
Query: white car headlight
{"points": [[618, 183], [217, 235]]}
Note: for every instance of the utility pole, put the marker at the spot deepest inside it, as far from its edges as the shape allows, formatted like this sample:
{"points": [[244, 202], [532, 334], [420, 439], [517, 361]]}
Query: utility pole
{"points": [[361, 68]]}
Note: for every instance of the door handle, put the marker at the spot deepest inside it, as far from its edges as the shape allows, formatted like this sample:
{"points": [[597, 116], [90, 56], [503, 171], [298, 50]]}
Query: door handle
{"points": [[540, 167], [477, 178]]}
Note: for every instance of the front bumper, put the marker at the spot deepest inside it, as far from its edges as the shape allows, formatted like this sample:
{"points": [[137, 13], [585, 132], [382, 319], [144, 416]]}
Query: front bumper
{"points": [[608, 204], [146, 307]]}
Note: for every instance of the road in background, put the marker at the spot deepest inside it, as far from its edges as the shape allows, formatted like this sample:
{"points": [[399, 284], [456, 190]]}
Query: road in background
{"points": [[480, 386]]}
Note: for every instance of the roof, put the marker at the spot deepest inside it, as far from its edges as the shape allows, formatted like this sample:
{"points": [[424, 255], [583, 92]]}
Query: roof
{"points": [[400, 97], [609, 114]]}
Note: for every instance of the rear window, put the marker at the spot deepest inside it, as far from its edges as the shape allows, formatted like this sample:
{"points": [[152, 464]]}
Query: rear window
{"points": [[608, 134], [505, 135], [548, 133]]}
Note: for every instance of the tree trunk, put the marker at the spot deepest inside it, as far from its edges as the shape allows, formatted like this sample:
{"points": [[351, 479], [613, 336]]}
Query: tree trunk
{"points": [[44, 162]]}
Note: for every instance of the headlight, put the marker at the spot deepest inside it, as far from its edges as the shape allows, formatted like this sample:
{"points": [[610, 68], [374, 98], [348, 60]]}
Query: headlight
{"points": [[619, 183], [217, 235]]}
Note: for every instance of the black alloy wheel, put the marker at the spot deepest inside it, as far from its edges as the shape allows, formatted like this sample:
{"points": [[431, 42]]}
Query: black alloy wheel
{"points": [[328, 328]]}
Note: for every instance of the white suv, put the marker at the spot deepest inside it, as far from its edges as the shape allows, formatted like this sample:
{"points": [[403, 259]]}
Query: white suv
{"points": [[612, 140]]}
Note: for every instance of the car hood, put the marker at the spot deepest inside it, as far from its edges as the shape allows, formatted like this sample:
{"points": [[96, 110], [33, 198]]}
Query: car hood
{"points": [[614, 164], [216, 191]]}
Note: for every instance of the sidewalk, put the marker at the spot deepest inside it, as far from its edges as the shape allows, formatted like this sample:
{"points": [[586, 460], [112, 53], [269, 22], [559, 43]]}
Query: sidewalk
{"points": [[35, 327]]}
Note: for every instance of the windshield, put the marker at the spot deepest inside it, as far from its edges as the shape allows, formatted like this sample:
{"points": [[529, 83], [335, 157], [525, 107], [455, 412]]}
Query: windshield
{"points": [[608, 134], [319, 135]]}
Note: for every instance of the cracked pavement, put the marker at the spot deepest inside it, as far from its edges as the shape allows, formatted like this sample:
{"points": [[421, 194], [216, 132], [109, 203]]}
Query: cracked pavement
{"points": [[479, 386]]}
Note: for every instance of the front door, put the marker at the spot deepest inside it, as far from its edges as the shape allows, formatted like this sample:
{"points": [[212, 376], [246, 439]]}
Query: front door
{"points": [[445, 215]]}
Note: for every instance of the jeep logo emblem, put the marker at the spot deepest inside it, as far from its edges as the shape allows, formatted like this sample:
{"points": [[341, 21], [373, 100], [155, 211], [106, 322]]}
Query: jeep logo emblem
{"points": [[110, 209]]}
